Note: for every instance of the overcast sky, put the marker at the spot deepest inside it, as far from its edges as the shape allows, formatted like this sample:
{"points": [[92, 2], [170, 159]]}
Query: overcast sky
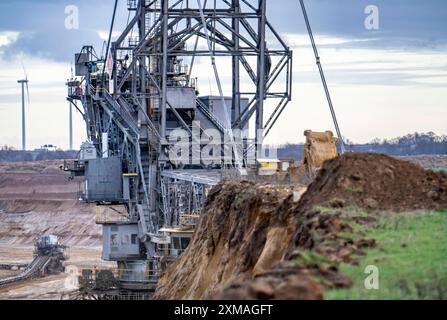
{"points": [[385, 82]]}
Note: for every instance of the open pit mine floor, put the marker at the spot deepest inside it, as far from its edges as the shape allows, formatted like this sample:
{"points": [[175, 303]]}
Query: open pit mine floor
{"points": [[53, 287], [38, 198]]}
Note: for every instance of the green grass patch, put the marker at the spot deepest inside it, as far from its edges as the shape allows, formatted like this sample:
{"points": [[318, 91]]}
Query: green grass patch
{"points": [[411, 257], [306, 258], [347, 212]]}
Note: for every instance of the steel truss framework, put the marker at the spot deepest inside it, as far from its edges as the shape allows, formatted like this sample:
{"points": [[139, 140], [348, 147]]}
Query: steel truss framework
{"points": [[128, 110], [238, 29]]}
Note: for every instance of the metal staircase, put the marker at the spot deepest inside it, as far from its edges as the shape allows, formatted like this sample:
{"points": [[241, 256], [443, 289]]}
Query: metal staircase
{"points": [[210, 116], [122, 115]]}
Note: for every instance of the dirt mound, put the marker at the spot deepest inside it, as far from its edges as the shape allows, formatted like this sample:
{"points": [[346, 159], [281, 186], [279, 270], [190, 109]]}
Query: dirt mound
{"points": [[255, 242], [244, 229], [28, 167], [375, 181], [287, 286], [311, 264], [250, 244]]}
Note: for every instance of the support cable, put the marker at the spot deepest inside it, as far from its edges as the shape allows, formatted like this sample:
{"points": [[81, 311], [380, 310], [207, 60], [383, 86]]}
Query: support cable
{"points": [[108, 42], [323, 78], [194, 55], [219, 85]]}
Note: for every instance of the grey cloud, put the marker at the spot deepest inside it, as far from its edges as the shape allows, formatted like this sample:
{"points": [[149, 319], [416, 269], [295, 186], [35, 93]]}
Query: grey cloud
{"points": [[403, 23], [385, 77], [412, 24], [42, 29]]}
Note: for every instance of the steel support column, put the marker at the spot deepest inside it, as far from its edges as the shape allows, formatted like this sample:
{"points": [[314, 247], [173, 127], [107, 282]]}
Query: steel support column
{"points": [[163, 106], [261, 78], [236, 107]]}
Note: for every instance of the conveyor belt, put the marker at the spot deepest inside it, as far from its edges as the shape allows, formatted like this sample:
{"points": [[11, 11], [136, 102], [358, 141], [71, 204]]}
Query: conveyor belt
{"points": [[34, 269]]}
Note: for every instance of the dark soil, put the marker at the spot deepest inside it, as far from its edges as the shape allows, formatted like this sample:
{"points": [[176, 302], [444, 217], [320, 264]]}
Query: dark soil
{"points": [[245, 228], [375, 181], [238, 249]]}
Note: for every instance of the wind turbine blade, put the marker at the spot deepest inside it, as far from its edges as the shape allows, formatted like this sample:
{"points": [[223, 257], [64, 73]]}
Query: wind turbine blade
{"points": [[24, 70], [26, 81], [27, 93]]}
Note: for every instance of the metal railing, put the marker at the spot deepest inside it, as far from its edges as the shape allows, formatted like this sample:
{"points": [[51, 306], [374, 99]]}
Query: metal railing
{"points": [[167, 252], [131, 4], [107, 217], [101, 197], [207, 112], [124, 275], [189, 219]]}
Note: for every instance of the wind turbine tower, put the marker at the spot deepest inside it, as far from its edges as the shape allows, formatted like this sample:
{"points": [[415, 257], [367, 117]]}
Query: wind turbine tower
{"points": [[23, 83]]}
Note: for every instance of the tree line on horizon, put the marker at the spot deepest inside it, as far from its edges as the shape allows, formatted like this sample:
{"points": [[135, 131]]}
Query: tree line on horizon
{"points": [[10, 154], [409, 145]]}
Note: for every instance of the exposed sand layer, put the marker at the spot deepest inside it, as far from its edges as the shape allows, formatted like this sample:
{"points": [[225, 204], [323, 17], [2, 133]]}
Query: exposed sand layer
{"points": [[42, 199], [38, 198], [254, 242], [244, 230]]}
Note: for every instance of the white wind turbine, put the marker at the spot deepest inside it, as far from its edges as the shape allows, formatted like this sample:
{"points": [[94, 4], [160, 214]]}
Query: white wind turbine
{"points": [[24, 84]]}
